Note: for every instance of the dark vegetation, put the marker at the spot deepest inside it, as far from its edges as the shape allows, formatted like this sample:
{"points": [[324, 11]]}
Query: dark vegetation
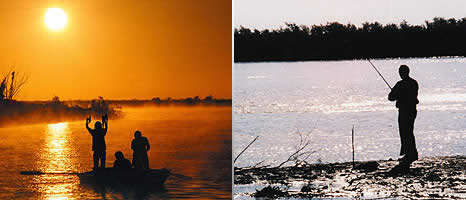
{"points": [[190, 101], [336, 41], [24, 112]]}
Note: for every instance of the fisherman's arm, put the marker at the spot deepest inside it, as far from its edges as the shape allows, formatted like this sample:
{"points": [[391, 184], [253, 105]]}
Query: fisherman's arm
{"points": [[394, 93], [148, 145]]}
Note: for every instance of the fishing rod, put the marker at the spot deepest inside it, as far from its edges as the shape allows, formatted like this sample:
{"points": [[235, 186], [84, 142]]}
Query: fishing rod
{"points": [[352, 142], [379, 74]]}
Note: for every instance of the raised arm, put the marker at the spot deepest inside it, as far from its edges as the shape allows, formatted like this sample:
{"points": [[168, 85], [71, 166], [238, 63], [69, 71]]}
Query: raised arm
{"points": [[105, 123], [105, 126]]}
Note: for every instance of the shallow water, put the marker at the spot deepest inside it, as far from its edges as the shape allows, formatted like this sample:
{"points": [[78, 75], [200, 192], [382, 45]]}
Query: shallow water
{"points": [[192, 141], [326, 98]]}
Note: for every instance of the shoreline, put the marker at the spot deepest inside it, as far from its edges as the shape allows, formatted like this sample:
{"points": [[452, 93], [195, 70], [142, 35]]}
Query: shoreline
{"points": [[428, 177], [348, 59], [36, 112]]}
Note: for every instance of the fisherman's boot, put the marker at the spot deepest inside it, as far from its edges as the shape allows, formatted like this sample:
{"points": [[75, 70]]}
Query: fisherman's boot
{"points": [[411, 158], [401, 168], [403, 157]]}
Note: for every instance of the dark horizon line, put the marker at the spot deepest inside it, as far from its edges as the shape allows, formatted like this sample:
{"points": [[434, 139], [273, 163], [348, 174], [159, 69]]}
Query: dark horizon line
{"points": [[128, 100]]}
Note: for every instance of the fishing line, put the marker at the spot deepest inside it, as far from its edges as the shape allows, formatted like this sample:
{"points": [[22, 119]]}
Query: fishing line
{"points": [[379, 74]]}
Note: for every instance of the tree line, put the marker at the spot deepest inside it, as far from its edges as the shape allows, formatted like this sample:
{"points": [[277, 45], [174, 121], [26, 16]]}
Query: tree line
{"points": [[336, 41]]}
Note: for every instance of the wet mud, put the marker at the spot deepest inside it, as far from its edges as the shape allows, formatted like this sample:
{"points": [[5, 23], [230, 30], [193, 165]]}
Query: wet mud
{"points": [[427, 178]]}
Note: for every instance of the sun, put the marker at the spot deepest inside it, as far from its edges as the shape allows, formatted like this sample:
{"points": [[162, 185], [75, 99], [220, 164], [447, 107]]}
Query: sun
{"points": [[55, 18]]}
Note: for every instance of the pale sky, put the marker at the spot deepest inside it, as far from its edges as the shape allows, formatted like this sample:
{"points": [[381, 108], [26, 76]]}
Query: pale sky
{"points": [[271, 14]]}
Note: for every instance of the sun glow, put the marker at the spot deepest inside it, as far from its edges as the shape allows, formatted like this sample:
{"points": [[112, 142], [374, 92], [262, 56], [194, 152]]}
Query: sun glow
{"points": [[58, 127], [55, 18]]}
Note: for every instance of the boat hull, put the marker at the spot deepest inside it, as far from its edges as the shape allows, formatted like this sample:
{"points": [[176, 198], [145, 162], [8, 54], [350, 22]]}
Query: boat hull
{"points": [[153, 177]]}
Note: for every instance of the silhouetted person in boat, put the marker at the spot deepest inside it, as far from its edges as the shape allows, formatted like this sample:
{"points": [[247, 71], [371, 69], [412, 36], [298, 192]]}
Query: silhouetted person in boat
{"points": [[121, 163], [140, 146], [405, 94], [98, 140]]}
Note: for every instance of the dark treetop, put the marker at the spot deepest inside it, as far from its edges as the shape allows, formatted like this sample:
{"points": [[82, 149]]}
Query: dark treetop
{"points": [[335, 41]]}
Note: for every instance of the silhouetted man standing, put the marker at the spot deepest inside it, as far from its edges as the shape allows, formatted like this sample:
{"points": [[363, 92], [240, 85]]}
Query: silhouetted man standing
{"points": [[140, 145], [98, 140], [405, 94]]}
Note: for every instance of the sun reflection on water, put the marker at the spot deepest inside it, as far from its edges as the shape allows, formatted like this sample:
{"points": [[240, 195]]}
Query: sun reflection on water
{"points": [[56, 156], [56, 152], [58, 127]]}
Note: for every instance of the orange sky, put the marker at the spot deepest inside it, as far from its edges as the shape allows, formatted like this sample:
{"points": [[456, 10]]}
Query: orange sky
{"points": [[119, 49]]}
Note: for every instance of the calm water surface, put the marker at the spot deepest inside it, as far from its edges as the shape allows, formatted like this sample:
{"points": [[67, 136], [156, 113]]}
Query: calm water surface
{"points": [[325, 99], [192, 141]]}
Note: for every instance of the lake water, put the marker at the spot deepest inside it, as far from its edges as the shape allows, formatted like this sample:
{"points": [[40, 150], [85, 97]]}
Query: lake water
{"points": [[192, 141], [275, 100]]}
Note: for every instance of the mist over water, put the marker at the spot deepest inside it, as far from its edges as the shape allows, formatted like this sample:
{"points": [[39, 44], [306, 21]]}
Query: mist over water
{"points": [[276, 100], [192, 141]]}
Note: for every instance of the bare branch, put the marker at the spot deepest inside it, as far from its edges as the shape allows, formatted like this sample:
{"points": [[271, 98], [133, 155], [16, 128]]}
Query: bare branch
{"points": [[259, 163], [11, 84], [18, 84], [301, 149], [245, 149]]}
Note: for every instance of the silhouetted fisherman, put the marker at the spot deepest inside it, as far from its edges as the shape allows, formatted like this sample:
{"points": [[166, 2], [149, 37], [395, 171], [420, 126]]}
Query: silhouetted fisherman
{"points": [[405, 94], [98, 140], [121, 163], [140, 146]]}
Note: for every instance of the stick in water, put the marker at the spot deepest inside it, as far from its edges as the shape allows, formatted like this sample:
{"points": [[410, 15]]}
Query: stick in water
{"points": [[245, 149], [49, 173], [379, 74], [352, 142]]}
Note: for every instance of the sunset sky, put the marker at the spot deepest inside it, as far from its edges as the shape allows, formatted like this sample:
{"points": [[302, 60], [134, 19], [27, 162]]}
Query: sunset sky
{"points": [[274, 13], [119, 49]]}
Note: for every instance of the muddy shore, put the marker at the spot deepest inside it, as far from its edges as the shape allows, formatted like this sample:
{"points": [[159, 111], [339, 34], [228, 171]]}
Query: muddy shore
{"points": [[428, 178]]}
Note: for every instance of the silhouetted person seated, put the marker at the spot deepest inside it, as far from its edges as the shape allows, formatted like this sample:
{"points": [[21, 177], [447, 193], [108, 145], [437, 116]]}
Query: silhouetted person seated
{"points": [[140, 146], [121, 163], [405, 94], [98, 140]]}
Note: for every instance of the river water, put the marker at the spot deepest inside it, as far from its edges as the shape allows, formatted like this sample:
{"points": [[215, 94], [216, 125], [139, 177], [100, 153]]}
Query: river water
{"points": [[192, 141], [324, 99]]}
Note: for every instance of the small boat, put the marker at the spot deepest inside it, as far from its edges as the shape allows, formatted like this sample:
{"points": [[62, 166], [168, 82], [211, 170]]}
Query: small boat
{"points": [[153, 177]]}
